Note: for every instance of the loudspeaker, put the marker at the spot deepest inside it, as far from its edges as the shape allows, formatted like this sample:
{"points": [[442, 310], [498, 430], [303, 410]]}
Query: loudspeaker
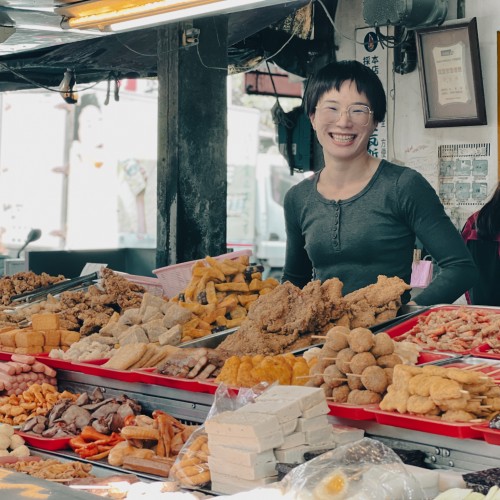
{"points": [[407, 13]]}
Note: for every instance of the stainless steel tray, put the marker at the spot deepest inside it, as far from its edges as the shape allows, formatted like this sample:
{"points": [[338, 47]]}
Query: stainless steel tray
{"points": [[211, 340]]}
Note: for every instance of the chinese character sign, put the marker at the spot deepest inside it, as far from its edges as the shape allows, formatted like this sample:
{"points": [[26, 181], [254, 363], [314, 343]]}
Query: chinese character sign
{"points": [[370, 52]]}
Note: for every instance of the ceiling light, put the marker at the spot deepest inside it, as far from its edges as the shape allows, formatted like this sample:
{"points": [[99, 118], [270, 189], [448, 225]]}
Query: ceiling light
{"points": [[122, 15]]}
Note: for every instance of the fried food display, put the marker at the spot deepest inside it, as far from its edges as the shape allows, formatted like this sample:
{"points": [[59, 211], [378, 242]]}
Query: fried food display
{"points": [[279, 321], [450, 394]]}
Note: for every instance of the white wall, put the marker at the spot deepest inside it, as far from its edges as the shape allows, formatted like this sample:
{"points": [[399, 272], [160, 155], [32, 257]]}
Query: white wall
{"points": [[408, 139]]}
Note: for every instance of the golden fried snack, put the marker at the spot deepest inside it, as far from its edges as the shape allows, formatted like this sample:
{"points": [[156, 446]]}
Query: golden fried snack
{"points": [[421, 384], [421, 405], [354, 382], [395, 400], [333, 376], [457, 416], [442, 388]]}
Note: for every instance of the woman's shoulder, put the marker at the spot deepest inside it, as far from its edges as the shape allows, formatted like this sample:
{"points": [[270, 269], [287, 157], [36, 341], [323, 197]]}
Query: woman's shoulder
{"points": [[402, 175]]}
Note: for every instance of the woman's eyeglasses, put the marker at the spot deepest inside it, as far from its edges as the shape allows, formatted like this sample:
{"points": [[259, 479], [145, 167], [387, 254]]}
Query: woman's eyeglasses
{"points": [[357, 113]]}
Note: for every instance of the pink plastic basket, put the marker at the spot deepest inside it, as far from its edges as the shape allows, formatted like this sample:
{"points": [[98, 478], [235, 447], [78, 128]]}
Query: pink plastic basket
{"points": [[175, 278]]}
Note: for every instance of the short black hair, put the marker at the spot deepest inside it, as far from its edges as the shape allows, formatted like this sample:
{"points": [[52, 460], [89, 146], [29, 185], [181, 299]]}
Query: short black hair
{"points": [[333, 75]]}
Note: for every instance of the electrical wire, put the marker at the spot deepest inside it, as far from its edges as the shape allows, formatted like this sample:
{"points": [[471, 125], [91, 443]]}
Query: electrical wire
{"points": [[41, 86]]}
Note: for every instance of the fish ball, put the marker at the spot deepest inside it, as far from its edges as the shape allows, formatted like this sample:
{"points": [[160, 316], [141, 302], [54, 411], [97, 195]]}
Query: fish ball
{"points": [[389, 361], [343, 358], [327, 389], [333, 376], [361, 339], [360, 397], [383, 345], [361, 361], [374, 379], [336, 338], [354, 382], [340, 394]]}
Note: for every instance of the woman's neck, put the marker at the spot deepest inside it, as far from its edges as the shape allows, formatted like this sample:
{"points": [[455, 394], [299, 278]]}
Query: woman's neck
{"points": [[340, 181]]}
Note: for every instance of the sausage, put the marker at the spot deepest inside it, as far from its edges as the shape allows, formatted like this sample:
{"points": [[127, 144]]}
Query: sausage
{"points": [[8, 369], [23, 358]]}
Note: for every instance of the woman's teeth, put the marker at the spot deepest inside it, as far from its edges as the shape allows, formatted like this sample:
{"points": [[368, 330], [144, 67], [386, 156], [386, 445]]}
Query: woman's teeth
{"points": [[343, 138]]}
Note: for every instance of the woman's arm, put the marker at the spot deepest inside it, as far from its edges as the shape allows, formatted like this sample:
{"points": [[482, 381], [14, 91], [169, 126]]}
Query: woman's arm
{"points": [[298, 267], [426, 215]]}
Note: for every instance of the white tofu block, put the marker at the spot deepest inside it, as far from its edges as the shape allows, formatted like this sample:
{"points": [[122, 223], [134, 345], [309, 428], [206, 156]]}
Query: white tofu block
{"points": [[241, 457], [255, 444], [292, 440], [320, 435], [306, 396], [343, 434], [309, 424], [290, 426], [319, 409], [284, 410], [233, 423], [296, 455], [219, 465], [243, 484]]}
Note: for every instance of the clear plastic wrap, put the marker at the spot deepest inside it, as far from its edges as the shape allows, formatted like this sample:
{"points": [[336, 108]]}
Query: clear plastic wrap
{"points": [[191, 465], [363, 470]]}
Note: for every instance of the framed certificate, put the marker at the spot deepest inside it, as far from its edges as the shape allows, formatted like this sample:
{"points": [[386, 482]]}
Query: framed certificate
{"points": [[450, 75]]}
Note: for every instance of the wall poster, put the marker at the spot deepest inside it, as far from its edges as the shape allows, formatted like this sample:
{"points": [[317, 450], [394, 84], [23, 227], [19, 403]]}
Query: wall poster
{"points": [[370, 52], [464, 179]]}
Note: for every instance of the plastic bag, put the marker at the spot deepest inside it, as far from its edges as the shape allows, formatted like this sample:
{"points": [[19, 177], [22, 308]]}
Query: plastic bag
{"points": [[421, 273], [191, 465], [363, 470]]}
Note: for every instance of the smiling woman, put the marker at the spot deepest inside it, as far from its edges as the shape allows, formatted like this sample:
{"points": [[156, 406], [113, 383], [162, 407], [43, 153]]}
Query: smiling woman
{"points": [[359, 216]]}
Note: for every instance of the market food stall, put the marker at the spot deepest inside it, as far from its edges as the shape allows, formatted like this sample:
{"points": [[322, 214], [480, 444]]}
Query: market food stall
{"points": [[174, 372]]}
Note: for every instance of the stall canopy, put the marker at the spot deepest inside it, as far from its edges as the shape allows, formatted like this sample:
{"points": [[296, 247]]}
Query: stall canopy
{"points": [[35, 50]]}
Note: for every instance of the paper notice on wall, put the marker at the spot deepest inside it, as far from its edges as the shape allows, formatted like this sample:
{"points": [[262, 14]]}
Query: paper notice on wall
{"points": [[422, 158], [370, 52], [464, 179]]}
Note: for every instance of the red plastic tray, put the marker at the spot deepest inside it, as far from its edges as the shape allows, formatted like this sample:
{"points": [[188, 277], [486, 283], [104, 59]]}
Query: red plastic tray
{"points": [[482, 351], [491, 436], [94, 368], [51, 444], [5, 356], [148, 376], [405, 326], [353, 412], [457, 430]]}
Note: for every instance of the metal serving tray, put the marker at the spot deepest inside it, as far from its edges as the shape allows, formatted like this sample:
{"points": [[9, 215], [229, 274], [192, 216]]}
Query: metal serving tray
{"points": [[211, 340]]}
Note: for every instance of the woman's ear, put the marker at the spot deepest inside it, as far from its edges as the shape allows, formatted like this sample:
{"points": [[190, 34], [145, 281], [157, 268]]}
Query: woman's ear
{"points": [[312, 117]]}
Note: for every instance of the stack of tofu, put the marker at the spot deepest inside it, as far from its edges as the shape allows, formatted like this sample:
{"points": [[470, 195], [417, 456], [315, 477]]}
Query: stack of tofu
{"points": [[284, 423]]}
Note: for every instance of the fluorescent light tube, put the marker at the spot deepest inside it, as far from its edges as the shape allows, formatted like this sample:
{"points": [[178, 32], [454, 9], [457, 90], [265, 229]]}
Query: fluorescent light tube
{"points": [[154, 13]]}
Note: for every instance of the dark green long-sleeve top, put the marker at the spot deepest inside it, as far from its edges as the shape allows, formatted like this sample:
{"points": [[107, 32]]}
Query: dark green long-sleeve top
{"points": [[374, 233]]}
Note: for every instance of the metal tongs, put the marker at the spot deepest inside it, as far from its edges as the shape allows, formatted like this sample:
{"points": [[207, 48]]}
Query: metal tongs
{"points": [[41, 293]]}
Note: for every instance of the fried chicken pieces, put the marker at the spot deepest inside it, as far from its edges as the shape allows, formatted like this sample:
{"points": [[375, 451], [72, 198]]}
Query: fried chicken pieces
{"points": [[285, 318]]}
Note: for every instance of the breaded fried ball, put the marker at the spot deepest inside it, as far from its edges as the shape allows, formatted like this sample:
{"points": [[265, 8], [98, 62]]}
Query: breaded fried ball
{"points": [[374, 379], [333, 376], [336, 338], [343, 358], [360, 397], [361, 361], [383, 345], [317, 370], [327, 352], [361, 339], [389, 361], [388, 373], [354, 382], [327, 389], [340, 394]]}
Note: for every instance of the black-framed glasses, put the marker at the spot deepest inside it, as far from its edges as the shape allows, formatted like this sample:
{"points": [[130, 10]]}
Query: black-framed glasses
{"points": [[357, 113]]}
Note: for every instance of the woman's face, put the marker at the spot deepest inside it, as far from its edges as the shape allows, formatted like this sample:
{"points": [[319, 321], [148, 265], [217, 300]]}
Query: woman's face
{"points": [[346, 138]]}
